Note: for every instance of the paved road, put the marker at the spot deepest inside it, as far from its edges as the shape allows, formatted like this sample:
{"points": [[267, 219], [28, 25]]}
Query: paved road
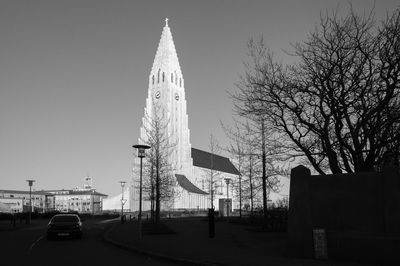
{"points": [[29, 246]]}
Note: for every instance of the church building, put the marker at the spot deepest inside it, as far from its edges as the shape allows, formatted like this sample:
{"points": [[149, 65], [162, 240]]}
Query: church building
{"points": [[192, 168]]}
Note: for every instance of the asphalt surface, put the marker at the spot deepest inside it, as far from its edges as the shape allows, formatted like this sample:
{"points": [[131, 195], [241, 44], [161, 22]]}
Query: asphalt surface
{"points": [[28, 246]]}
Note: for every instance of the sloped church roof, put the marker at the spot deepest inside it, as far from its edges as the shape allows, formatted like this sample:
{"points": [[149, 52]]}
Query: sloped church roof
{"points": [[187, 185], [208, 160]]}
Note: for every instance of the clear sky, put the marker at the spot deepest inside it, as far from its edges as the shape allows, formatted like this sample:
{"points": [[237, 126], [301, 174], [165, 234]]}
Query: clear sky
{"points": [[74, 76]]}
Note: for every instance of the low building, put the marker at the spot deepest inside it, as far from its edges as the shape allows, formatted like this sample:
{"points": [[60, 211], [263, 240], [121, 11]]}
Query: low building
{"points": [[11, 205], [79, 200], [18, 200]]}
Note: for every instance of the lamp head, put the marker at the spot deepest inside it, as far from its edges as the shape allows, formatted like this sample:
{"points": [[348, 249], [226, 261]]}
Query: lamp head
{"points": [[141, 150], [30, 182]]}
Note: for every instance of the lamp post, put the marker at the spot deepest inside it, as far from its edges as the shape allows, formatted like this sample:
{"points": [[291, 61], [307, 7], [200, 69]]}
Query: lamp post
{"points": [[141, 154], [30, 183], [122, 200], [227, 181], [240, 196]]}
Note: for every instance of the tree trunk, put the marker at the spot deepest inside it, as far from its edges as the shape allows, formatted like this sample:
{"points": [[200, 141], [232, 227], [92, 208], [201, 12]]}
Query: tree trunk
{"points": [[152, 196], [264, 172], [251, 187], [158, 196]]}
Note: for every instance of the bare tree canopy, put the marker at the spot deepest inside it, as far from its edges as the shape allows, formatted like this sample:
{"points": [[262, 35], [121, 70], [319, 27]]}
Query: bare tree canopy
{"points": [[160, 184], [339, 106], [247, 149]]}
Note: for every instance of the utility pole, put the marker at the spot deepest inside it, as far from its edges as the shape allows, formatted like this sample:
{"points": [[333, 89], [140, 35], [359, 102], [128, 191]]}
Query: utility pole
{"points": [[227, 181], [92, 201], [141, 155], [122, 200], [240, 196], [30, 183]]}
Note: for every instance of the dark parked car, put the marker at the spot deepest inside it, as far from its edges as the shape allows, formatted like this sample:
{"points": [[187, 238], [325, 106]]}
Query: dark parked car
{"points": [[64, 225]]}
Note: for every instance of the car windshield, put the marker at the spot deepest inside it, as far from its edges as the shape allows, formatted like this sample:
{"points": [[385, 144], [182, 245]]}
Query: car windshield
{"points": [[65, 218]]}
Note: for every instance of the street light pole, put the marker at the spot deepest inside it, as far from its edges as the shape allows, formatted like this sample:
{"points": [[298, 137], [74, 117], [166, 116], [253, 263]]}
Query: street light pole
{"points": [[30, 183], [122, 200], [227, 180], [240, 196], [141, 155]]}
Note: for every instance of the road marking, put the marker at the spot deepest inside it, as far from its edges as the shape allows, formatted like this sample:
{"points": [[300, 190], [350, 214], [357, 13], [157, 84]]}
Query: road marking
{"points": [[34, 243]]}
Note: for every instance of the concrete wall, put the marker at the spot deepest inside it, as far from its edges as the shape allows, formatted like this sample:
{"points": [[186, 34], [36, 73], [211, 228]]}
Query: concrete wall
{"points": [[362, 209]]}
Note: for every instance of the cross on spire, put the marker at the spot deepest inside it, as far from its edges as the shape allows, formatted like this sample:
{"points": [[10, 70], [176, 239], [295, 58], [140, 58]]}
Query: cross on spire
{"points": [[166, 22]]}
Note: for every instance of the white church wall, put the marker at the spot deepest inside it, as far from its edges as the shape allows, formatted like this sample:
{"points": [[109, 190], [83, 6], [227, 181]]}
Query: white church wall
{"points": [[202, 179]]}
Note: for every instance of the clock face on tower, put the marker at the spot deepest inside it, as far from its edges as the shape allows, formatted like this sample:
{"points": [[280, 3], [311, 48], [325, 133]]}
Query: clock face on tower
{"points": [[177, 96], [157, 94]]}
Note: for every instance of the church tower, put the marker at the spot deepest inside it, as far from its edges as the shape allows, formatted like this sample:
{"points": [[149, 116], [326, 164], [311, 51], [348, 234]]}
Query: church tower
{"points": [[167, 90], [190, 167]]}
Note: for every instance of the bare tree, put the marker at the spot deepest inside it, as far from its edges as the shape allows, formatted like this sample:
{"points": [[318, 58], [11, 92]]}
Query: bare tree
{"points": [[339, 107], [213, 176], [161, 183], [237, 153], [256, 160]]}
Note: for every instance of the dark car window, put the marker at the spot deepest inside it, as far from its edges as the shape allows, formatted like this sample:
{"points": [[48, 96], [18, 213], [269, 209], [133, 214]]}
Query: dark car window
{"points": [[64, 219]]}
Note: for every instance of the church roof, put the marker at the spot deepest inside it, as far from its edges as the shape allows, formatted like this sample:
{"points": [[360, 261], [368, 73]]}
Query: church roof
{"points": [[187, 185], [203, 159]]}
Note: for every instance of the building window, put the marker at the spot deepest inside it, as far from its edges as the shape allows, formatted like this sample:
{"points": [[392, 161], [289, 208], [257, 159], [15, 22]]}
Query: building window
{"points": [[158, 76], [163, 76], [176, 79], [153, 79], [172, 77], [180, 82]]}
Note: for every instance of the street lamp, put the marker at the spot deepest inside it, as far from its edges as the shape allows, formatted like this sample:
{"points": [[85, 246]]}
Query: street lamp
{"points": [[30, 183], [122, 200], [141, 154], [240, 196], [227, 181]]}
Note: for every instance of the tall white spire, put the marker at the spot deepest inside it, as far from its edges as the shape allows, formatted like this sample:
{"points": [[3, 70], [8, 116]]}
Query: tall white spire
{"points": [[166, 89], [166, 56]]}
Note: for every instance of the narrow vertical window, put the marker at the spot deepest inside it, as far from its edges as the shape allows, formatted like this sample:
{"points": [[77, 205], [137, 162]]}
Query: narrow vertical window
{"points": [[163, 76], [180, 82], [153, 79], [172, 77], [176, 79], [158, 76]]}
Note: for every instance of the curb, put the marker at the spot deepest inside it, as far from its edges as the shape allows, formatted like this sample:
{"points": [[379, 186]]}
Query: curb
{"points": [[157, 255]]}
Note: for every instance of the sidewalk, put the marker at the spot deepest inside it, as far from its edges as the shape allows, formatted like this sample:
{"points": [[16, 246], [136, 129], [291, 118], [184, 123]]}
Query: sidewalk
{"points": [[235, 245]]}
